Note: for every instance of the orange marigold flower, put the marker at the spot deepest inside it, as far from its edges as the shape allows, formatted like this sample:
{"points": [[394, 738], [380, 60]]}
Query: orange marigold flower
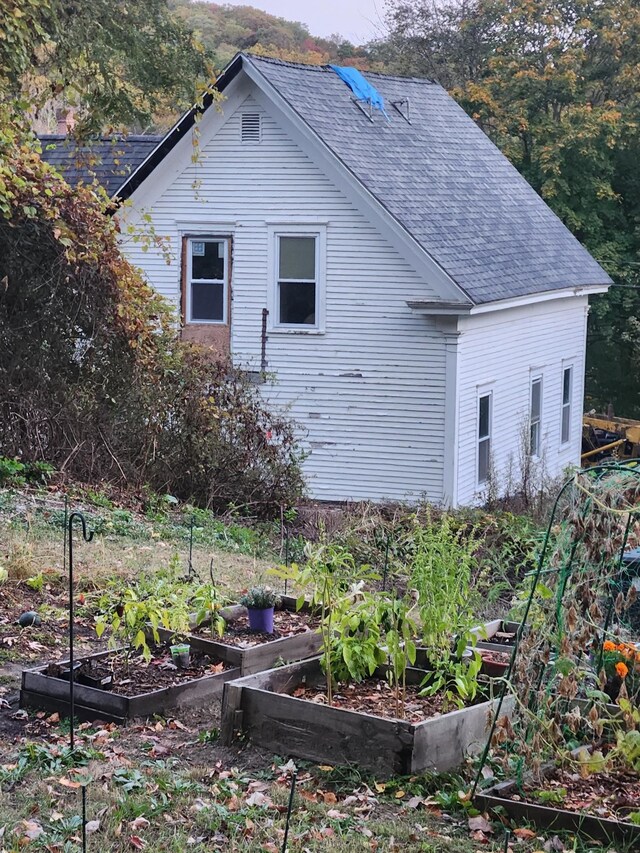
{"points": [[609, 646], [622, 669]]}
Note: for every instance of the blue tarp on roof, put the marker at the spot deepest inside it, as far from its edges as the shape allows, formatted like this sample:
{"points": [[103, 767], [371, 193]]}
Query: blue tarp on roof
{"points": [[360, 86]]}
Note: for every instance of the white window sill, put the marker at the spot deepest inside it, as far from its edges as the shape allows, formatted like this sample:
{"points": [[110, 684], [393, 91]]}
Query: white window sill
{"points": [[278, 330]]}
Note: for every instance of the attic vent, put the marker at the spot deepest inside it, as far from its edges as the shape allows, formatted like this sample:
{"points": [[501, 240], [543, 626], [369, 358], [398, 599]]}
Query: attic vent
{"points": [[250, 127]]}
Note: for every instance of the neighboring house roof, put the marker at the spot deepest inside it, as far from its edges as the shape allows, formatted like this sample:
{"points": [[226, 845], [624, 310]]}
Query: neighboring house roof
{"points": [[438, 176], [109, 160]]}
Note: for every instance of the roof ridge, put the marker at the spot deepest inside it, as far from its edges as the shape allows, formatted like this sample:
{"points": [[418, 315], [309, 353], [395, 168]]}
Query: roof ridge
{"points": [[327, 67]]}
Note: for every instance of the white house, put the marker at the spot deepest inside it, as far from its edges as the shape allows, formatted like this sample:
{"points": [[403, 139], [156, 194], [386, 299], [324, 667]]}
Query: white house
{"points": [[424, 311]]}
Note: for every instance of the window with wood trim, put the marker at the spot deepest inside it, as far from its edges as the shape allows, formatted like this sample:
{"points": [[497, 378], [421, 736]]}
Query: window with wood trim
{"points": [[485, 415], [535, 417], [206, 280], [297, 280], [567, 393]]}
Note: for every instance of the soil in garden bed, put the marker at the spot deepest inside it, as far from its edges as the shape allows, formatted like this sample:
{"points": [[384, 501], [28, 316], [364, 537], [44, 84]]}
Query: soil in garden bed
{"points": [[139, 677], [375, 696], [613, 794], [286, 623]]}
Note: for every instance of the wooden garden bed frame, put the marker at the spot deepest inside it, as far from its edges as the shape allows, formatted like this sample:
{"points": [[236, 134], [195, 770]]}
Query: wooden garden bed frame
{"points": [[550, 818], [485, 632], [264, 655], [260, 706], [40, 690]]}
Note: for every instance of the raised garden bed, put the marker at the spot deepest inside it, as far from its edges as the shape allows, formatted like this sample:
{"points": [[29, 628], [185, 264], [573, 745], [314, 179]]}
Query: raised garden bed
{"points": [[613, 794], [498, 635], [140, 691], [294, 638], [269, 709]]}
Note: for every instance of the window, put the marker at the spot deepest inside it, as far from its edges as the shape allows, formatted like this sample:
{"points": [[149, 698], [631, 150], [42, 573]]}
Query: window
{"points": [[535, 418], [297, 280], [484, 437], [206, 280], [567, 391]]}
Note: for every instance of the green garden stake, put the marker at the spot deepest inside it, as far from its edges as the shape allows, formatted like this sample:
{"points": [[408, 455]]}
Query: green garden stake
{"points": [[291, 796], [507, 839], [286, 554]]}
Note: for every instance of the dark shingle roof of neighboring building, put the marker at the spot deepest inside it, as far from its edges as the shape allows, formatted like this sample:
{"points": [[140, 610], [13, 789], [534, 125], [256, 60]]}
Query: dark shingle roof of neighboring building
{"points": [[109, 160], [443, 179]]}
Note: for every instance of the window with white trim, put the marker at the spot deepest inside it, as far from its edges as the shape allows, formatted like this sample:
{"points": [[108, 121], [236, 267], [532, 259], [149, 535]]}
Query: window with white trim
{"points": [[485, 415], [535, 417], [297, 296], [206, 280], [567, 393]]}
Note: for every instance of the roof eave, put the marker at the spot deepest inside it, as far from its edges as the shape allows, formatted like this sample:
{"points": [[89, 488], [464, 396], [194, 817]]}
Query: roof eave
{"points": [[542, 296], [177, 132]]}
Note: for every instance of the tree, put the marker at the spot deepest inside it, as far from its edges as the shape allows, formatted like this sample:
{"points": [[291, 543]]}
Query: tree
{"points": [[94, 378], [118, 62], [557, 87]]}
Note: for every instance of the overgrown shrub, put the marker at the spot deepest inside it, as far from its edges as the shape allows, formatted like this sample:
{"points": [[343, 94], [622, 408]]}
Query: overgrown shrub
{"points": [[93, 377]]}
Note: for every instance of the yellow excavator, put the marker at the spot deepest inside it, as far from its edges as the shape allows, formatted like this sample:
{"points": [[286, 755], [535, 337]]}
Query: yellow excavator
{"points": [[608, 437]]}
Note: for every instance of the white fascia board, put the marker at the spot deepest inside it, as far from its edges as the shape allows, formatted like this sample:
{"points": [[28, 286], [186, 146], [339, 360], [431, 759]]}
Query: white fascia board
{"points": [[309, 141], [536, 298]]}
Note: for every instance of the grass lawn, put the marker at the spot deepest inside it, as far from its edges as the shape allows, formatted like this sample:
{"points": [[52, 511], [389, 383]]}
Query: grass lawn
{"points": [[167, 784]]}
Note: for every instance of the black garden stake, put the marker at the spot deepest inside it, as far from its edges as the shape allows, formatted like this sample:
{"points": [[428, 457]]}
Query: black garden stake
{"points": [[87, 536], [291, 796], [191, 547], [84, 818]]}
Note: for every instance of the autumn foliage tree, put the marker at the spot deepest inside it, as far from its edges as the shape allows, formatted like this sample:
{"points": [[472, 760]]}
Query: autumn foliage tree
{"points": [[557, 87], [93, 377]]}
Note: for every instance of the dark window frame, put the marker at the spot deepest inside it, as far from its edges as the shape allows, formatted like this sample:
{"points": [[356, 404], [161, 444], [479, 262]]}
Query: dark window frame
{"points": [[189, 280]]}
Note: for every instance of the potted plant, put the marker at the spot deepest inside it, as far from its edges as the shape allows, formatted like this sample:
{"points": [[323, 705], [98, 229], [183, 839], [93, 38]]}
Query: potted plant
{"points": [[260, 602]]}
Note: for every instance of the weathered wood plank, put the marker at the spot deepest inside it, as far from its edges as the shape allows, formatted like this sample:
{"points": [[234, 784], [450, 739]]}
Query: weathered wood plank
{"points": [[291, 726], [231, 708], [442, 743], [31, 699], [58, 688], [193, 692], [545, 817]]}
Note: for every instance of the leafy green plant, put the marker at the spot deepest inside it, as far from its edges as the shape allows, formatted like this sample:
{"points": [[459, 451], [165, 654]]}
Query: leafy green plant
{"points": [[15, 473], [208, 609], [554, 797], [36, 582], [355, 648], [260, 598], [134, 619], [441, 572], [400, 631], [329, 571], [456, 680]]}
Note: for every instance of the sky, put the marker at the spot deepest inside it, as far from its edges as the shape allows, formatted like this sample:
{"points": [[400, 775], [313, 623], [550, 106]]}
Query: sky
{"points": [[357, 20]]}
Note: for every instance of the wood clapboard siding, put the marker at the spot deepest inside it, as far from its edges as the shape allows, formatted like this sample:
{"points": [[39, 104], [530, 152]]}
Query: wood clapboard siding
{"points": [[501, 352], [369, 393]]}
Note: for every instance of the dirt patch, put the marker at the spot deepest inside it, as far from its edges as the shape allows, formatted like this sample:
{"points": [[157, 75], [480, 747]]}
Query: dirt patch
{"points": [[286, 623], [31, 644], [613, 794], [136, 676], [375, 696]]}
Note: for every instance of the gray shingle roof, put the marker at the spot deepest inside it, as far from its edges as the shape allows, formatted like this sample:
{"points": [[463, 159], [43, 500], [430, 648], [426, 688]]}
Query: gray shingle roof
{"points": [[109, 160], [443, 180]]}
